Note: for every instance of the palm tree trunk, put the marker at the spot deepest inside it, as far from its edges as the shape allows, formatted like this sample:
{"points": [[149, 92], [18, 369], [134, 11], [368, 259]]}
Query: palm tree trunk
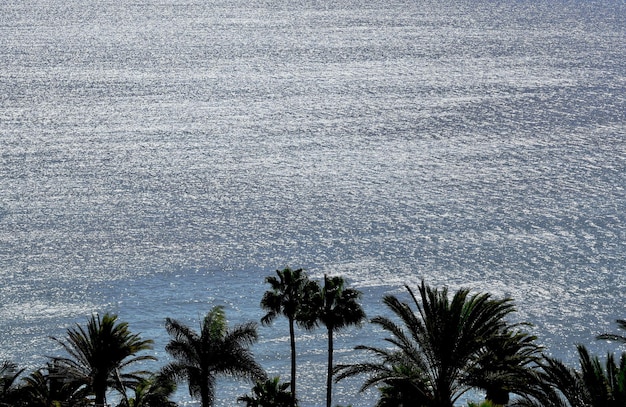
{"points": [[100, 388], [100, 398], [205, 395], [329, 377], [497, 396], [292, 338]]}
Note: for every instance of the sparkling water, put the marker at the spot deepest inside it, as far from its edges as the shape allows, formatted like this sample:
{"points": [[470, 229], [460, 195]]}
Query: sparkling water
{"points": [[160, 157]]}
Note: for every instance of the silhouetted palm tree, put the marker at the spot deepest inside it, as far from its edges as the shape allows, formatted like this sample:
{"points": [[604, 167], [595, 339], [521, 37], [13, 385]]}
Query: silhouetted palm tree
{"points": [[50, 387], [434, 349], [286, 296], [270, 393], [8, 376], [154, 391], [506, 365], [336, 307], [100, 353], [400, 387], [593, 385], [201, 358]]}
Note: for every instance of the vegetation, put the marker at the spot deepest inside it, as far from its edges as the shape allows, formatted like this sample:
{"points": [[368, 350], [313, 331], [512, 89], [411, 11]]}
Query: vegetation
{"points": [[336, 307], [593, 385], [270, 393], [51, 387], [97, 355], [200, 358], [154, 391], [287, 296], [437, 351], [438, 346], [8, 376], [505, 365]]}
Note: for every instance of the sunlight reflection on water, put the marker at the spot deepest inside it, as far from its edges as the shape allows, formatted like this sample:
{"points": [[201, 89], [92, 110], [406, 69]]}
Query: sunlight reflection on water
{"points": [[161, 158]]}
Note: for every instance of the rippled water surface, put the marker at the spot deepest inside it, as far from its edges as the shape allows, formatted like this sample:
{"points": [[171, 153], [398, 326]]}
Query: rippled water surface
{"points": [[161, 157]]}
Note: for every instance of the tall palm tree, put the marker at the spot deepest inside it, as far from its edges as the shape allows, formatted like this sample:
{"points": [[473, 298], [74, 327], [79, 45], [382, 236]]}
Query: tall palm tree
{"points": [[434, 348], [201, 358], [99, 353], [336, 307], [286, 296]]}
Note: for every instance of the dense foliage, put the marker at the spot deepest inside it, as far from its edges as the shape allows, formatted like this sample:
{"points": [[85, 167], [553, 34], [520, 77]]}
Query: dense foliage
{"points": [[439, 346]]}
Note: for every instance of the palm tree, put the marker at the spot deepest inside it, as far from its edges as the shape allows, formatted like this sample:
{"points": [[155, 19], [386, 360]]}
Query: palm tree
{"points": [[336, 307], [200, 358], [593, 385], [286, 296], [154, 391], [435, 348], [8, 376], [270, 393], [399, 387], [98, 354], [506, 365], [50, 387]]}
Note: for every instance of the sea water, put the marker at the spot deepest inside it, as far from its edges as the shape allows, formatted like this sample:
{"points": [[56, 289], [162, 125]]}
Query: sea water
{"points": [[161, 157]]}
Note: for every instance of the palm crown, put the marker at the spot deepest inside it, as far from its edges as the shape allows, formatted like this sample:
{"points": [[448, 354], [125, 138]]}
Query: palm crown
{"points": [[336, 307], [217, 350], [287, 296], [98, 354], [435, 347]]}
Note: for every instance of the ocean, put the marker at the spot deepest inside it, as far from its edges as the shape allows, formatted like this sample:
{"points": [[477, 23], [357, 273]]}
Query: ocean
{"points": [[161, 157]]}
